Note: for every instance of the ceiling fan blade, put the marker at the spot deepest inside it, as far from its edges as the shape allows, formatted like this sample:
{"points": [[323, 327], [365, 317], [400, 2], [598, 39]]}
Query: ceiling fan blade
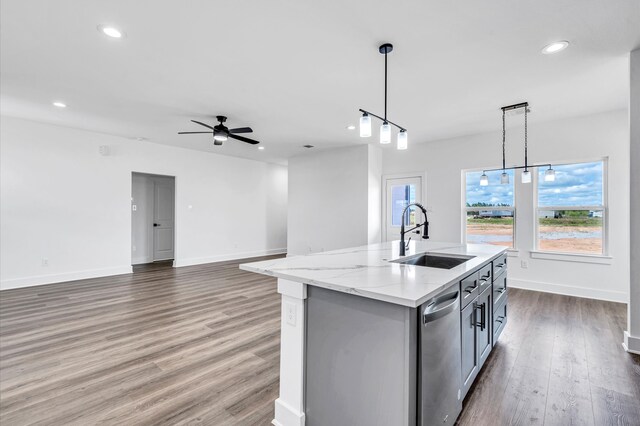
{"points": [[243, 139], [191, 133], [202, 124], [241, 130]]}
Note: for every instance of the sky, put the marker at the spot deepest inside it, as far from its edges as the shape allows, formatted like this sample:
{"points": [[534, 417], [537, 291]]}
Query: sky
{"points": [[575, 185]]}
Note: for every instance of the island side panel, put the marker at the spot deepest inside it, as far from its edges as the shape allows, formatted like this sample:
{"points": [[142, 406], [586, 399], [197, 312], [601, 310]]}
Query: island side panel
{"points": [[361, 361], [289, 407]]}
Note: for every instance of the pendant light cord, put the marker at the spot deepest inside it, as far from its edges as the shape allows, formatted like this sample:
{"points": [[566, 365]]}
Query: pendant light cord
{"points": [[385, 86], [525, 138], [504, 139]]}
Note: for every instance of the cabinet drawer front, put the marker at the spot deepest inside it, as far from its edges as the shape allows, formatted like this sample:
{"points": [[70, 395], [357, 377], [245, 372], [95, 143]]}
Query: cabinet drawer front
{"points": [[484, 278], [499, 288], [499, 319], [468, 289], [499, 265]]}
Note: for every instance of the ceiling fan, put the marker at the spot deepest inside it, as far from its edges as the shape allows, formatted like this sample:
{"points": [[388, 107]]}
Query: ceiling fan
{"points": [[221, 132]]}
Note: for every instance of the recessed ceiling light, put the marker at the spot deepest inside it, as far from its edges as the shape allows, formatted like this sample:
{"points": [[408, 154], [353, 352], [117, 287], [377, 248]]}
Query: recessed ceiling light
{"points": [[59, 104], [351, 127], [261, 148], [110, 31], [555, 47]]}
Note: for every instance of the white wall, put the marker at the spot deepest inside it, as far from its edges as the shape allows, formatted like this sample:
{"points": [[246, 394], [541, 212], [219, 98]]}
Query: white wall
{"points": [[632, 336], [329, 199], [584, 138], [62, 201]]}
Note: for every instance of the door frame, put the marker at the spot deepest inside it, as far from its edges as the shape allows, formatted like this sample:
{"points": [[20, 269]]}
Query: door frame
{"points": [[385, 178], [175, 211]]}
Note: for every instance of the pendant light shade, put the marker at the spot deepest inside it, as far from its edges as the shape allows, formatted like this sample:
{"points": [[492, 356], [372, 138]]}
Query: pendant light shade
{"points": [[526, 176], [504, 178], [365, 126], [402, 140], [550, 175], [385, 133], [484, 179]]}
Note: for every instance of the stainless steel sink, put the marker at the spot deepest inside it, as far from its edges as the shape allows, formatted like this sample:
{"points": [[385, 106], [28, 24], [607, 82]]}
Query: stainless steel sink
{"points": [[434, 260]]}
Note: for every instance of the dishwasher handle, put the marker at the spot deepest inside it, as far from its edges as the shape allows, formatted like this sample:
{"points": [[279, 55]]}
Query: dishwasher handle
{"points": [[440, 306]]}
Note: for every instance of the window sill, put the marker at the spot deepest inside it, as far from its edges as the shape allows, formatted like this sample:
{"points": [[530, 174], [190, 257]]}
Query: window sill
{"points": [[513, 252], [572, 257]]}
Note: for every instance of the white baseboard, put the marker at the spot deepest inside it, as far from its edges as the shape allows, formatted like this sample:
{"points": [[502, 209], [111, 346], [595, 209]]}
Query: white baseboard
{"points": [[68, 276], [287, 415], [631, 343], [224, 257], [588, 293]]}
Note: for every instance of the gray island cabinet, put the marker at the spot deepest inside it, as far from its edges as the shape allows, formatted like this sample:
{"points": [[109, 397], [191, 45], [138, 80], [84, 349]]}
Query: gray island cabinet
{"points": [[369, 337]]}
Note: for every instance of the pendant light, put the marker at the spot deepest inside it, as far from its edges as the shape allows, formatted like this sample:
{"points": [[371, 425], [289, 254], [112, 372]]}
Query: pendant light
{"points": [[385, 128], [549, 175], [402, 140], [385, 133], [365, 126], [525, 177]]}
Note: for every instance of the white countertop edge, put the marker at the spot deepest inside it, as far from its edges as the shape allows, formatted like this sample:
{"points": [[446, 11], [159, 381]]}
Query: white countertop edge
{"points": [[411, 303]]}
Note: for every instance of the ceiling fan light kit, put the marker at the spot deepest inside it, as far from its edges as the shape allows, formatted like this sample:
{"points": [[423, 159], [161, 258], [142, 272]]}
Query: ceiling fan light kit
{"points": [[385, 128], [549, 175], [221, 132]]}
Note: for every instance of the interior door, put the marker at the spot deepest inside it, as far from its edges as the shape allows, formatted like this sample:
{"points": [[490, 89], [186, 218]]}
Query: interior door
{"points": [[163, 220], [399, 192]]}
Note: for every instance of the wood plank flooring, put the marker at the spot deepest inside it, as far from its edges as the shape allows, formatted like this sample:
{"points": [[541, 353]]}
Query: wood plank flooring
{"points": [[194, 345], [200, 345]]}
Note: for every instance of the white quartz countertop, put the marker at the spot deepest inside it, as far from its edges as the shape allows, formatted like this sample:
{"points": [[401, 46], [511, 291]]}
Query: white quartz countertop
{"points": [[366, 271]]}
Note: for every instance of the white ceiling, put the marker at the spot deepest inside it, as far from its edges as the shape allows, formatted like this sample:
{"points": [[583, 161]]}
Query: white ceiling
{"points": [[298, 70]]}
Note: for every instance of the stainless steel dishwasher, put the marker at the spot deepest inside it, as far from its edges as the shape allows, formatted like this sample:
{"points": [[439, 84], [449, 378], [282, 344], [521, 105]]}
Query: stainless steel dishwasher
{"points": [[439, 359]]}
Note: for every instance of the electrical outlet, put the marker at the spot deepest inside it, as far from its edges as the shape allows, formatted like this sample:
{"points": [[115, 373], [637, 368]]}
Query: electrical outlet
{"points": [[291, 313], [134, 248], [524, 264], [134, 207], [45, 261]]}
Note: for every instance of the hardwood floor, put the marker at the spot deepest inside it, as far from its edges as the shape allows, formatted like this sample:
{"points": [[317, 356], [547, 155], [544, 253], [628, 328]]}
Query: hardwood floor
{"points": [[193, 345], [200, 345], [559, 361]]}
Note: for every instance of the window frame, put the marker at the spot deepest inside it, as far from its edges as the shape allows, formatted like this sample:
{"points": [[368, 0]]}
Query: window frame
{"points": [[604, 208], [466, 209]]}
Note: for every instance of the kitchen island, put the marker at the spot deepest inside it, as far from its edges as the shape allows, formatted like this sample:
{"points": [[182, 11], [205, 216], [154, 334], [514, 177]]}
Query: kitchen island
{"points": [[368, 339]]}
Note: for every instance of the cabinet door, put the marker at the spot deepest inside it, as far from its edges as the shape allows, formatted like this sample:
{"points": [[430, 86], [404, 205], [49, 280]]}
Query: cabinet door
{"points": [[469, 346], [483, 325]]}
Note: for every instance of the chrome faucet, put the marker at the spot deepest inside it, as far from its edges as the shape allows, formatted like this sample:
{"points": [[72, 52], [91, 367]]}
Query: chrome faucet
{"points": [[425, 229]]}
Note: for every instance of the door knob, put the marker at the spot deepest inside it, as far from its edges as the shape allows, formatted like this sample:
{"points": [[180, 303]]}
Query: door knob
{"points": [[156, 224]]}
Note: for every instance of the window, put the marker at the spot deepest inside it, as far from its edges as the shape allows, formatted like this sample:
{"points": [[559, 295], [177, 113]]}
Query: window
{"points": [[571, 209], [490, 210]]}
